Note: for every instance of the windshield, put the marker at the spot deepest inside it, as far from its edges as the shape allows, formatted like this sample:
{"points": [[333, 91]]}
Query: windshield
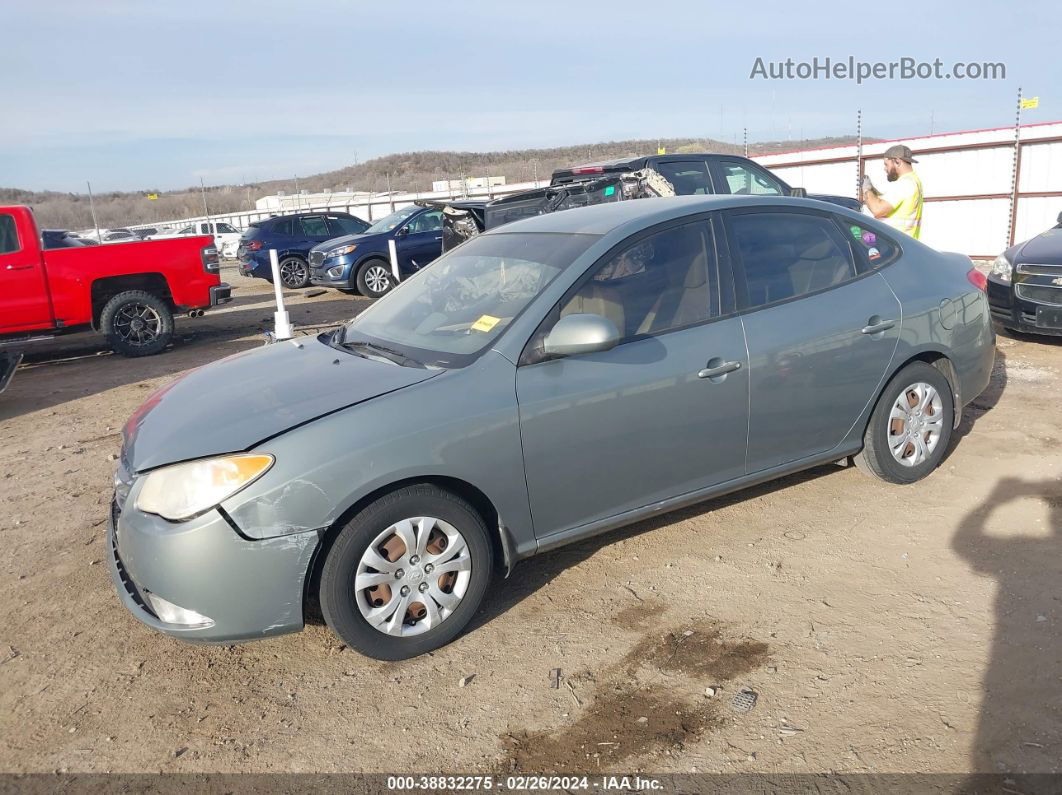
{"points": [[451, 311], [389, 222]]}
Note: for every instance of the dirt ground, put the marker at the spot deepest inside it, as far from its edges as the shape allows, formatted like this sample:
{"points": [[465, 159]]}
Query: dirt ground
{"points": [[881, 628]]}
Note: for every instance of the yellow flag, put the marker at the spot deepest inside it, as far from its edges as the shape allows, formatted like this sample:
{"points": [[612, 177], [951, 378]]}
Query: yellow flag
{"points": [[152, 196], [661, 150], [1031, 102]]}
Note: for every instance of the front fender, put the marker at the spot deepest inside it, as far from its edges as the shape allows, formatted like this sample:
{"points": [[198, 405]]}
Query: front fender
{"points": [[462, 424]]}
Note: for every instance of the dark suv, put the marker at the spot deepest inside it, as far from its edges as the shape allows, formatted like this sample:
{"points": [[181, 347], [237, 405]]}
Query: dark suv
{"points": [[363, 262], [292, 236]]}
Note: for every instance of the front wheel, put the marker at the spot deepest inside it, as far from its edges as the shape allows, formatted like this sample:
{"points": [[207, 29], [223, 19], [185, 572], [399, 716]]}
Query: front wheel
{"points": [[137, 323], [406, 574], [911, 426], [375, 278]]}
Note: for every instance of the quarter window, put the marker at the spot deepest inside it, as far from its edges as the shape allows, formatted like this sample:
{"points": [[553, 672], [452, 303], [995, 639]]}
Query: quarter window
{"points": [[8, 235], [662, 282], [874, 250], [346, 226], [786, 255]]}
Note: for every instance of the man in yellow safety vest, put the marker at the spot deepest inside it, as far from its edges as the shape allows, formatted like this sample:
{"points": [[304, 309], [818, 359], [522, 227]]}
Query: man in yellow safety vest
{"points": [[900, 205]]}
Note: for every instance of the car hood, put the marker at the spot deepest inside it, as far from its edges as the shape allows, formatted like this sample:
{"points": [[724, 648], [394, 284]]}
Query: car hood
{"points": [[232, 404], [346, 240], [1045, 248]]}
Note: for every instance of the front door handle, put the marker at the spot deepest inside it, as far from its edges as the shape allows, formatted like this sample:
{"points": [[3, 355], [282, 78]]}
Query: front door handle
{"points": [[877, 326], [719, 369], [19, 267]]}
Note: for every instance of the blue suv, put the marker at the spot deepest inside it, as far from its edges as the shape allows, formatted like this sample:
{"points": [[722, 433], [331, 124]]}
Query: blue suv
{"points": [[363, 261], [292, 236]]}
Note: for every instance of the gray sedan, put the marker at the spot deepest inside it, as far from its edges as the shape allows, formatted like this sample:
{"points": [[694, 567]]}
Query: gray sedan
{"points": [[557, 378]]}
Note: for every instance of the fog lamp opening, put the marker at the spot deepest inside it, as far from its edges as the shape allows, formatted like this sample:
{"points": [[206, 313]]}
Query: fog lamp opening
{"points": [[174, 614], [336, 272]]}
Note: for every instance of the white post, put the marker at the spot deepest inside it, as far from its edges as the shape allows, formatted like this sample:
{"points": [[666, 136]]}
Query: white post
{"points": [[393, 251], [281, 324]]}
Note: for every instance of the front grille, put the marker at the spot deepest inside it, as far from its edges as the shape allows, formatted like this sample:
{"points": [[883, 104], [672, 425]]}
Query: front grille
{"points": [[1039, 269], [1039, 294], [123, 575], [316, 259]]}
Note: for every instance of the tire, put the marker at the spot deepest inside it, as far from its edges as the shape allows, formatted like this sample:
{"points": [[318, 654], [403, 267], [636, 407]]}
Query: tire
{"points": [[137, 323], [294, 272], [403, 633], [886, 432], [374, 278]]}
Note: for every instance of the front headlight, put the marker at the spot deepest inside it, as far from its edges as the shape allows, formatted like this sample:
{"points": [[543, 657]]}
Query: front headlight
{"points": [[339, 252], [1002, 268], [182, 491]]}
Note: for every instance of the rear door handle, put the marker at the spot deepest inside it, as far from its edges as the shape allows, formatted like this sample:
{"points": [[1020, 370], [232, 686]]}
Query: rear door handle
{"points": [[880, 326], [718, 370]]}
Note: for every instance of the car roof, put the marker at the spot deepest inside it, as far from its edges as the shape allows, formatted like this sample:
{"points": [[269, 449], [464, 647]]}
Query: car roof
{"points": [[600, 219]]}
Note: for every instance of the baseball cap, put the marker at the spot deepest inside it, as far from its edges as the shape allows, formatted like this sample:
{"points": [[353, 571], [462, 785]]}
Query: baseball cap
{"points": [[900, 152]]}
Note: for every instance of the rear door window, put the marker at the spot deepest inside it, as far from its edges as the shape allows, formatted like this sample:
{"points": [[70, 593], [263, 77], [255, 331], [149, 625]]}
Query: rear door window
{"points": [[346, 226], [8, 235], [427, 222], [689, 177], [315, 226], [785, 255]]}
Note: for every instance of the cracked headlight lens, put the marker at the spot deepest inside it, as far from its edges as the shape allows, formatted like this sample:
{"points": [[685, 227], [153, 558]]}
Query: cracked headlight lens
{"points": [[182, 491]]}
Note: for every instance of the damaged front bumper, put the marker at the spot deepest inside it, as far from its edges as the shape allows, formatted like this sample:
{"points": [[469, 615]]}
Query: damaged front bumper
{"points": [[213, 584]]}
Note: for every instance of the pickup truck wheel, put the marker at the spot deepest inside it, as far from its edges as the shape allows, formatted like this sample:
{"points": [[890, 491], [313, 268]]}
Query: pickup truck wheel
{"points": [[294, 273], [137, 323], [374, 278]]}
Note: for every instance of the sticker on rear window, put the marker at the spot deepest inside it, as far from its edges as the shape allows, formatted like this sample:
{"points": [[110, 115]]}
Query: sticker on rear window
{"points": [[870, 238], [873, 253], [856, 231], [610, 190], [485, 323]]}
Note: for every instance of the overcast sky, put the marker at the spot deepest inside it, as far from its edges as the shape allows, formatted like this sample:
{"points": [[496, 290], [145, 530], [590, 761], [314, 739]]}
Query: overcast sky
{"points": [[132, 94]]}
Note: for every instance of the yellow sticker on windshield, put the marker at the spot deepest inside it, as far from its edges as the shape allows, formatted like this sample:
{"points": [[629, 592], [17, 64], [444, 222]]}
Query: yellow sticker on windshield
{"points": [[485, 323]]}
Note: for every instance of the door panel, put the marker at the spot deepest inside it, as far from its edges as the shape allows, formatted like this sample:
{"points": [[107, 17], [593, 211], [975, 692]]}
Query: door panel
{"points": [[663, 413], [812, 369], [610, 432], [423, 241], [24, 300]]}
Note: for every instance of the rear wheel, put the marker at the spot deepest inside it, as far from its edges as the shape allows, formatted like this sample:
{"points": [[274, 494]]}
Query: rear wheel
{"points": [[294, 272], [375, 278], [406, 574], [911, 426], [137, 323]]}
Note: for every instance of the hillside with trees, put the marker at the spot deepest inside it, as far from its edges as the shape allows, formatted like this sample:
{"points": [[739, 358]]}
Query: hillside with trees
{"points": [[408, 171]]}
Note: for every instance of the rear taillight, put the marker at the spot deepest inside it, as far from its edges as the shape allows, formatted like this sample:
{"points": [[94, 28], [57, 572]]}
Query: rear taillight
{"points": [[977, 279], [211, 261], [589, 170], [253, 245]]}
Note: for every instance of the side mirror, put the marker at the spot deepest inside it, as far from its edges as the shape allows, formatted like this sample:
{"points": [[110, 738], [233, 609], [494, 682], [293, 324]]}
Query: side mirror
{"points": [[799, 193], [581, 333], [402, 232], [1060, 218]]}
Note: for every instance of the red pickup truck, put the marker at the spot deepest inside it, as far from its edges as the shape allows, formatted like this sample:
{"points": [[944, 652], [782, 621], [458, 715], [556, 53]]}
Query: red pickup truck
{"points": [[128, 291]]}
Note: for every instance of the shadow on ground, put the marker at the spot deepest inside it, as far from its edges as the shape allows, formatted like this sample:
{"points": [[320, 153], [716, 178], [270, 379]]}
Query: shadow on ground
{"points": [[1020, 724]]}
